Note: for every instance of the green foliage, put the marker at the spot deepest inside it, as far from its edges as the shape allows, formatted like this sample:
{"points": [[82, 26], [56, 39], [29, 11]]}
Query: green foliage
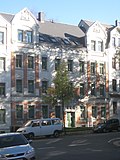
{"points": [[63, 88], [63, 91]]}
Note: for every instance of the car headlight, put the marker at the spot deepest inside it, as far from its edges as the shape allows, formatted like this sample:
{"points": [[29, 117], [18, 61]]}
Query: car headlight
{"points": [[30, 151]]}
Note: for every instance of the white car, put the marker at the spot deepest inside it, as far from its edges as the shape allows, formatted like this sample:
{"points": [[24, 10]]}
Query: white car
{"points": [[42, 127], [15, 146]]}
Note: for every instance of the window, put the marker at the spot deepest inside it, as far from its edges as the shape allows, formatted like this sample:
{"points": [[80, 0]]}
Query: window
{"points": [[30, 86], [30, 62], [114, 85], [44, 86], [56, 121], [114, 107], [70, 65], [41, 38], [57, 63], [82, 89], [101, 68], [114, 63], [53, 39], [103, 112], [82, 108], [82, 66], [2, 89], [102, 90], [46, 122], [118, 42], [31, 111], [94, 111], [1, 37], [2, 116], [19, 85], [20, 35], [19, 61], [100, 46], [93, 89], [44, 63], [92, 68], [70, 88], [66, 41], [45, 111], [57, 111], [19, 111], [28, 38], [119, 63], [119, 85], [93, 45], [113, 41], [2, 64]]}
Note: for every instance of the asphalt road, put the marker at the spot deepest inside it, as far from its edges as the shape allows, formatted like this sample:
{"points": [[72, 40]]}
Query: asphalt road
{"points": [[104, 146]]}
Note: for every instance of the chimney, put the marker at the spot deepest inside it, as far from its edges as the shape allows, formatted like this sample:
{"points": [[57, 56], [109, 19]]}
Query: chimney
{"points": [[41, 17], [117, 23]]}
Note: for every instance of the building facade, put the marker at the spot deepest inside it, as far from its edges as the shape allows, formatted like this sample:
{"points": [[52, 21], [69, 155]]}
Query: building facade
{"points": [[31, 50]]}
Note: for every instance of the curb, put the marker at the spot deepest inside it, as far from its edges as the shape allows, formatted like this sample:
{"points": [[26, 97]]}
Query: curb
{"points": [[77, 132]]}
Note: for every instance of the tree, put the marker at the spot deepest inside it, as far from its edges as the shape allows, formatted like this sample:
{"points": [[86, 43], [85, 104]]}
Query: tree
{"points": [[62, 90]]}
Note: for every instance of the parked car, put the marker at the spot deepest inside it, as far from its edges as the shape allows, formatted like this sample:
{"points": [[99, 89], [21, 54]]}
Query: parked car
{"points": [[107, 126], [42, 127], [15, 146]]}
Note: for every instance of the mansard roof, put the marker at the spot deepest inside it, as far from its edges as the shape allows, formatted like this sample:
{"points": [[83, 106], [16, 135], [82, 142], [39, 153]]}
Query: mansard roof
{"points": [[89, 23], [8, 17], [63, 33]]}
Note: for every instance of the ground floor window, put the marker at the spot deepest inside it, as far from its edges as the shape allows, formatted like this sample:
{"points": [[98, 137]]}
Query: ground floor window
{"points": [[114, 107], [2, 116], [103, 112], [58, 111], [19, 111], [45, 111], [82, 108], [31, 111], [94, 111]]}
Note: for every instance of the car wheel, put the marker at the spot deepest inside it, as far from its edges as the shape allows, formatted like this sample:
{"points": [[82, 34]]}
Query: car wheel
{"points": [[104, 130], [56, 134], [31, 135]]}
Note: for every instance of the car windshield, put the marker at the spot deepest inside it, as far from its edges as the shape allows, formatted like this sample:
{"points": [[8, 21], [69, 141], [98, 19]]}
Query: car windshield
{"points": [[12, 140], [27, 124]]}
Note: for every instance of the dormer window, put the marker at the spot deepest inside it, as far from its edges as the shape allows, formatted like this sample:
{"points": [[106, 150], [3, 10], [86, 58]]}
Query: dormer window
{"points": [[66, 41], [41, 38], [53, 39]]}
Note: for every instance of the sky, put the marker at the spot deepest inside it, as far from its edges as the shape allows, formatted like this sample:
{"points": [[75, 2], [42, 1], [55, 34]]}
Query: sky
{"points": [[67, 11]]}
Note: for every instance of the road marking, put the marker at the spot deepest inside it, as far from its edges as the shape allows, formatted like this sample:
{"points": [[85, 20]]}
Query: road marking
{"points": [[114, 139], [46, 148], [53, 141], [79, 144]]}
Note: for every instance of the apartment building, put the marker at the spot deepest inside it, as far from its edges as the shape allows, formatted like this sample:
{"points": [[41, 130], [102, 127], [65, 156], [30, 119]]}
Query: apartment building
{"points": [[32, 50], [5, 74]]}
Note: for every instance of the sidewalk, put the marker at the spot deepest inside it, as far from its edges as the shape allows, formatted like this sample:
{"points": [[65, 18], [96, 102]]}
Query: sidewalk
{"points": [[77, 132]]}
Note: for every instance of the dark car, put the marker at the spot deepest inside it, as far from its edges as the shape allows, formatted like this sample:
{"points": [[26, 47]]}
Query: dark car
{"points": [[107, 126]]}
